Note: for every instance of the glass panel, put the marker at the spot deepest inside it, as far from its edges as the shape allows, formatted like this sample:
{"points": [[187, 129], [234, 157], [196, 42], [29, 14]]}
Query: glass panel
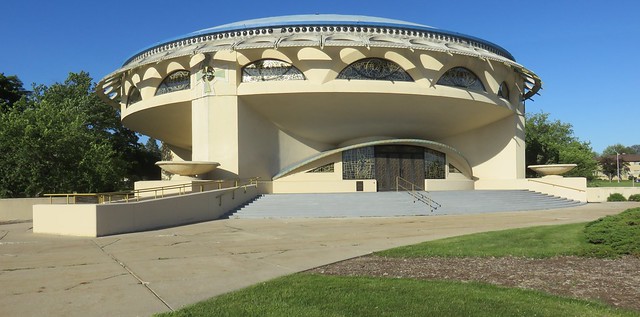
{"points": [[270, 70], [176, 81], [434, 164], [453, 169], [327, 168], [504, 91], [375, 69], [461, 77], [134, 96], [358, 163]]}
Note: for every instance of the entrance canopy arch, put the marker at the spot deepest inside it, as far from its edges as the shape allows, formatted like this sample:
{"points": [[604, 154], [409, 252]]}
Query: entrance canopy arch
{"points": [[452, 153]]}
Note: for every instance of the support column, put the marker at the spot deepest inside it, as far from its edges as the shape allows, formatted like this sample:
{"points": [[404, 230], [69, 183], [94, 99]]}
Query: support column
{"points": [[215, 133]]}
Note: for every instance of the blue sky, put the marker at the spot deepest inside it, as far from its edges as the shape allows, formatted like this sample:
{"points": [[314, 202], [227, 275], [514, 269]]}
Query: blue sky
{"points": [[586, 52]]}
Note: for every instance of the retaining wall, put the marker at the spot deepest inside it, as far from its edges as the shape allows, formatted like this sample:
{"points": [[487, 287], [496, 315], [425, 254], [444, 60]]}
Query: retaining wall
{"points": [[94, 220]]}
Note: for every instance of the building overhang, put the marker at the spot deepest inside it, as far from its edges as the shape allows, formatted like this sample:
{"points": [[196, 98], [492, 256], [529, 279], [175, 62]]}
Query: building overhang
{"points": [[316, 31]]}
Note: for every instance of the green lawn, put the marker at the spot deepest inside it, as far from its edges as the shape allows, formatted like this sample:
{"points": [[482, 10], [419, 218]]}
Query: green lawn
{"points": [[613, 183], [319, 295], [536, 242]]}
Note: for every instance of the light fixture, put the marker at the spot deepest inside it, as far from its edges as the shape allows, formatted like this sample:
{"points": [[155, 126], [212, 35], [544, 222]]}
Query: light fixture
{"points": [[208, 73]]}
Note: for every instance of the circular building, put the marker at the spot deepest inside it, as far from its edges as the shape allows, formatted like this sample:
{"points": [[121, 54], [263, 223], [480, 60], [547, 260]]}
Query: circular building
{"points": [[331, 103]]}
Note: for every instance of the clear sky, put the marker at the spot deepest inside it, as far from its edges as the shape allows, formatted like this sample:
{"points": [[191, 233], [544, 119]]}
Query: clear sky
{"points": [[586, 52]]}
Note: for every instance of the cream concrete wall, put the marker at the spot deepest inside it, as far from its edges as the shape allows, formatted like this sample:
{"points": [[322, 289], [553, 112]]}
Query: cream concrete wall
{"points": [[106, 219], [567, 187], [328, 182], [63, 219], [600, 194], [495, 151], [12, 209], [223, 135], [343, 186], [448, 184]]}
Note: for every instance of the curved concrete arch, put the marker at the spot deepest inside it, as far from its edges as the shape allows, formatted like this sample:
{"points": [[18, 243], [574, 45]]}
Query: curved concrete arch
{"points": [[350, 55], [174, 66], [448, 150], [399, 59], [275, 54]]}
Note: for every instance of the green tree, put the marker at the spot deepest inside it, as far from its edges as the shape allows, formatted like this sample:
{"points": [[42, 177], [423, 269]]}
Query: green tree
{"points": [[553, 142], [610, 165], [620, 149], [11, 90], [63, 138]]}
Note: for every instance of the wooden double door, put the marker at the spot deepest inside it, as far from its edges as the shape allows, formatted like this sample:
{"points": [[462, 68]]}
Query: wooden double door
{"points": [[398, 160]]}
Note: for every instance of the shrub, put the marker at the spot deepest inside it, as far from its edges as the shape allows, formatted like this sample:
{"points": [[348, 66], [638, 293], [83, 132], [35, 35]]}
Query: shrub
{"points": [[634, 197], [616, 197], [615, 235]]}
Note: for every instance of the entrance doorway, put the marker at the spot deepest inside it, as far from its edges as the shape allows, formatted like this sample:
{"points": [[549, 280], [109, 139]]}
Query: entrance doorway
{"points": [[398, 160]]}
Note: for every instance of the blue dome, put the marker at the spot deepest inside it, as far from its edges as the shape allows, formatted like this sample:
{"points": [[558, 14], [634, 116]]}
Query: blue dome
{"points": [[323, 20], [311, 19]]}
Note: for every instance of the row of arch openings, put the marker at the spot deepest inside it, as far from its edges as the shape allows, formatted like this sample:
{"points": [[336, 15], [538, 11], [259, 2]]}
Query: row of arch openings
{"points": [[175, 81], [364, 69]]}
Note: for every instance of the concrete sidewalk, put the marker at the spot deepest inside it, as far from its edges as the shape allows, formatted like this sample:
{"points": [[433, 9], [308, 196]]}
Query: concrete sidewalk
{"points": [[155, 271]]}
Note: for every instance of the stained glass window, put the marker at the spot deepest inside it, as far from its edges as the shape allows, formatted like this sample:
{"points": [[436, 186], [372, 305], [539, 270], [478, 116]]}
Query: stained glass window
{"points": [[327, 168], [358, 163], [434, 163], [176, 81], [461, 77], [375, 69], [133, 96], [270, 70], [504, 91]]}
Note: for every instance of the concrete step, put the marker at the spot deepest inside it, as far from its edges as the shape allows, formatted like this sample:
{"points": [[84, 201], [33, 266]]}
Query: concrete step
{"points": [[388, 204]]}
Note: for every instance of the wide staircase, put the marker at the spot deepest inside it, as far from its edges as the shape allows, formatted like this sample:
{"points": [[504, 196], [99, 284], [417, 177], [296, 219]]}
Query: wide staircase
{"points": [[402, 203]]}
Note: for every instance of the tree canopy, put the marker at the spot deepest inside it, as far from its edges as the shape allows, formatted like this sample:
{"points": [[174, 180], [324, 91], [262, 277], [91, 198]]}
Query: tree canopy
{"points": [[11, 90], [620, 149], [611, 165], [63, 138], [553, 142]]}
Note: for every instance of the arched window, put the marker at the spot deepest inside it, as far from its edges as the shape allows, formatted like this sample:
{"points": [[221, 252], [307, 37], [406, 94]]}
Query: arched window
{"points": [[461, 77], [503, 92], [176, 81], [270, 70], [358, 163], [133, 96], [434, 163], [327, 168], [374, 69]]}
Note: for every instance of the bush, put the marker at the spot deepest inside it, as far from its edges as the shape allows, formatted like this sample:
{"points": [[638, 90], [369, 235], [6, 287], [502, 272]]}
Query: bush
{"points": [[615, 235], [616, 197], [634, 197]]}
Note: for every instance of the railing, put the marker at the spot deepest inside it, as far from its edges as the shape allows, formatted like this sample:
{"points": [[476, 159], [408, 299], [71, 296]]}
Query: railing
{"points": [[417, 192], [556, 185], [158, 192]]}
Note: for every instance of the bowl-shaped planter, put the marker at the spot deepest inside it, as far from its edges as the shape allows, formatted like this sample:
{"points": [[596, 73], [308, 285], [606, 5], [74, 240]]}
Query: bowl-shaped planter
{"points": [[187, 168], [552, 169]]}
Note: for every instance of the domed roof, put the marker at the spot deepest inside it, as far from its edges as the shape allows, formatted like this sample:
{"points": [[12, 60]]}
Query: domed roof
{"points": [[325, 20], [312, 19]]}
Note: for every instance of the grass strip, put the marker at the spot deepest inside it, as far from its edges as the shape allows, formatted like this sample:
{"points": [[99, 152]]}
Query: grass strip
{"points": [[534, 242], [319, 295]]}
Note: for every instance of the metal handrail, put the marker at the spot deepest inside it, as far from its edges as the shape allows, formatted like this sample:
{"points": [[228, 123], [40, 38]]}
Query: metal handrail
{"points": [[552, 184], [417, 195], [158, 192]]}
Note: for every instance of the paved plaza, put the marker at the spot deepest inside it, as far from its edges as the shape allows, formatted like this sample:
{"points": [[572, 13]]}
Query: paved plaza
{"points": [[143, 273]]}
